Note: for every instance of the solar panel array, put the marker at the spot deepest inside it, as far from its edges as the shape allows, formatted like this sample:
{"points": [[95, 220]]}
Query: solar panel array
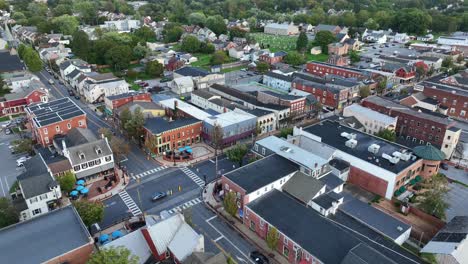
{"points": [[54, 111]]}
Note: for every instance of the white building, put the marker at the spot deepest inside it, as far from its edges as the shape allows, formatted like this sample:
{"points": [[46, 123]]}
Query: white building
{"points": [[281, 29], [401, 38], [94, 92], [17, 82], [126, 25], [446, 40], [373, 121], [278, 81], [182, 85], [39, 191], [66, 67]]}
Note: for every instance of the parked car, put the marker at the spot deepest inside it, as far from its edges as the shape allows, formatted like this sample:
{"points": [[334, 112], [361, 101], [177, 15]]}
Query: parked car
{"points": [[20, 161], [51, 81], [61, 82], [77, 97], [158, 196], [259, 258], [7, 131], [71, 93], [444, 166]]}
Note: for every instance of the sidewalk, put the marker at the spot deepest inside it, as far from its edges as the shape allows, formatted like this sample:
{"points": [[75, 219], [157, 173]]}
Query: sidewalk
{"points": [[117, 188], [243, 230]]}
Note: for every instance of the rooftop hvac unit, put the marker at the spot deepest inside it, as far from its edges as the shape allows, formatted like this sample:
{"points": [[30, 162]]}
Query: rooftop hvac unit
{"points": [[373, 148], [396, 154], [344, 134], [394, 160], [352, 143], [405, 156]]}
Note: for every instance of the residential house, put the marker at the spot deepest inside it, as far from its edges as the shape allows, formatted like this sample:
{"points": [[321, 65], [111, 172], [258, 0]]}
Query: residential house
{"points": [[17, 81], [281, 29], [53, 118], [68, 66], [402, 72], [449, 245], [236, 52], [235, 125], [55, 237], [11, 63], [418, 127], [39, 192], [207, 100], [337, 48], [148, 109], [27, 34], [97, 87], [14, 103], [166, 135], [182, 85], [201, 78], [272, 57], [55, 52], [420, 101], [122, 26], [372, 121], [331, 28], [278, 81], [401, 38], [337, 60], [115, 101], [376, 36]]}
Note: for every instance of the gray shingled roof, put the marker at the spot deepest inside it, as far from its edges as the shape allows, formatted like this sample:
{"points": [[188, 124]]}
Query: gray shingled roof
{"points": [[36, 180], [303, 187], [90, 151], [43, 238]]}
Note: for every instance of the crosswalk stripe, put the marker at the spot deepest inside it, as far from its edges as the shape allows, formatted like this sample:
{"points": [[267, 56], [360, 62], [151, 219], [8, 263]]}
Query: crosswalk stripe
{"points": [[132, 206], [148, 172]]}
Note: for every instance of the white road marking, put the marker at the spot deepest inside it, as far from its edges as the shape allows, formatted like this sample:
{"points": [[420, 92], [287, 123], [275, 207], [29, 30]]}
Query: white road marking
{"points": [[193, 176], [219, 238], [184, 206], [148, 172], [211, 218], [3, 190], [130, 203]]}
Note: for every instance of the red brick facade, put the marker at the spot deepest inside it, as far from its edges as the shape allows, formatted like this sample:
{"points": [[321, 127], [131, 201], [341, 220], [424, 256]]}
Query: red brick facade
{"points": [[327, 98], [410, 125], [285, 245], [296, 106], [140, 97], [45, 135], [456, 103], [229, 186], [322, 69], [175, 138], [17, 106], [78, 256], [270, 60], [367, 181]]}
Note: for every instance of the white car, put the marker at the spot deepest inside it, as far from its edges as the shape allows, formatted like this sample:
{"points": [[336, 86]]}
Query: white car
{"points": [[20, 161]]}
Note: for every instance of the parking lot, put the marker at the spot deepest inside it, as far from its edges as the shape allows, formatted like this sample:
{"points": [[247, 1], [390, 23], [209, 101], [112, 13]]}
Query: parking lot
{"points": [[8, 164], [457, 198]]}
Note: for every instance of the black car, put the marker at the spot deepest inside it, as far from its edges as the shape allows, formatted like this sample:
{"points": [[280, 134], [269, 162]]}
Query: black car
{"points": [[158, 196], [258, 257], [444, 166], [71, 93], [77, 97]]}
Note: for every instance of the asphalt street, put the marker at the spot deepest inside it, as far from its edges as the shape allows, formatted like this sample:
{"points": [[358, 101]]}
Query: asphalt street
{"points": [[8, 164]]}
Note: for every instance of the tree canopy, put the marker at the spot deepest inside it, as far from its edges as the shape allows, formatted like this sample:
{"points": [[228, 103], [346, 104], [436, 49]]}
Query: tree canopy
{"points": [[114, 255], [67, 182], [237, 153], [8, 214], [90, 212]]}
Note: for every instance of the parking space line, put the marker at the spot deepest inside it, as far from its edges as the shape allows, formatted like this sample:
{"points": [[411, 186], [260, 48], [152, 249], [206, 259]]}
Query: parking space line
{"points": [[3, 190], [211, 218], [219, 238]]}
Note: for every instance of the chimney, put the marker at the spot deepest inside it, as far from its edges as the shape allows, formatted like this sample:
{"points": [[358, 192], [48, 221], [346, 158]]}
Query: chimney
{"points": [[315, 165], [224, 110], [176, 104]]}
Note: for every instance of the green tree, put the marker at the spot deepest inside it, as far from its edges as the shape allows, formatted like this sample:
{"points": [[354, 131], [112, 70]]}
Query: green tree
{"points": [[4, 5], [460, 59], [114, 255], [420, 72], [207, 48], [190, 44], [286, 131], [412, 21], [371, 24], [323, 38], [216, 24], [381, 87], [218, 57], [119, 57], [387, 134], [119, 147], [62, 9], [237, 153], [354, 56], [230, 203], [197, 18], [90, 212], [106, 132], [145, 34], [262, 67], [272, 238], [81, 44], [124, 117], [302, 42], [87, 11], [67, 182], [8, 215], [32, 60], [172, 33], [364, 91], [294, 58], [433, 201], [178, 9], [447, 62], [139, 51], [154, 68], [134, 126], [21, 50], [23, 145], [237, 32], [66, 24]]}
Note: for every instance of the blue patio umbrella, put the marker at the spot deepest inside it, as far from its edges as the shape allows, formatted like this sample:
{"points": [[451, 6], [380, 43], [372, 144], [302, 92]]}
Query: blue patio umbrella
{"points": [[116, 234], [84, 191], [80, 182], [74, 193], [103, 238], [79, 187]]}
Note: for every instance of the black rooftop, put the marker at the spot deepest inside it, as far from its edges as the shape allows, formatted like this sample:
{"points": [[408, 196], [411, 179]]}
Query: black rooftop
{"points": [[455, 231], [339, 164], [263, 172], [9, 63], [43, 238], [257, 112], [54, 111], [282, 96], [159, 125], [363, 254], [192, 71], [330, 134], [286, 78]]}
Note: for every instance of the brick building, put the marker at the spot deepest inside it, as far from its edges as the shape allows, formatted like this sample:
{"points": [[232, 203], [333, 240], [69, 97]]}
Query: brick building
{"points": [[54, 118], [334, 93], [322, 69], [171, 134], [338, 60], [337, 48], [272, 57], [115, 101], [376, 165], [451, 92], [402, 72], [15, 103], [417, 127], [295, 103]]}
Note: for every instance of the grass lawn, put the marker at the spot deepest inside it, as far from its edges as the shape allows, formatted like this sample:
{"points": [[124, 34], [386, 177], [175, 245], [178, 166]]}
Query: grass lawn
{"points": [[233, 69], [203, 61], [275, 43], [4, 118], [319, 57]]}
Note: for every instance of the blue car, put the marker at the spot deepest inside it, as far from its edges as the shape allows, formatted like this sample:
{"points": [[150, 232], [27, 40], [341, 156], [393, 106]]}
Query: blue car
{"points": [[158, 196]]}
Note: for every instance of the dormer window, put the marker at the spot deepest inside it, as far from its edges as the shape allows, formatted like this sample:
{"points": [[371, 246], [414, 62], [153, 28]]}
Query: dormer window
{"points": [[82, 156], [98, 150]]}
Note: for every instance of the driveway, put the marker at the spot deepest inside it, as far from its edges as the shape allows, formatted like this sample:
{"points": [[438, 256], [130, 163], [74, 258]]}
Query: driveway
{"points": [[456, 174], [457, 198]]}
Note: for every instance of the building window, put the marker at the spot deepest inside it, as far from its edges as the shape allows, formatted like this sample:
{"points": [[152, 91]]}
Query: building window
{"points": [[252, 225], [108, 158], [76, 168], [43, 196], [452, 110], [263, 151], [446, 146], [46, 131], [285, 241], [438, 129], [84, 166], [462, 113], [33, 200], [436, 138], [80, 123], [46, 139], [418, 124], [432, 128], [36, 211], [69, 126], [57, 128], [91, 163], [286, 251]]}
